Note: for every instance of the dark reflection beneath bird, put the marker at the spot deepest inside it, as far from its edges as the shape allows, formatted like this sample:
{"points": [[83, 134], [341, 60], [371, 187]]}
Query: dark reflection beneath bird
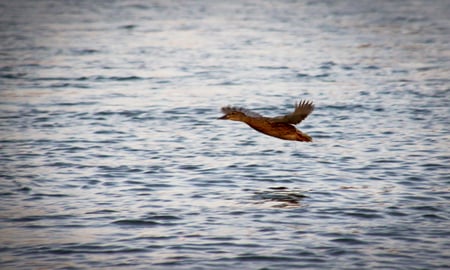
{"points": [[280, 127]]}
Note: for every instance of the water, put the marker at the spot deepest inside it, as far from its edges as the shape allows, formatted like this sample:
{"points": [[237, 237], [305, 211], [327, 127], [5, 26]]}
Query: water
{"points": [[112, 157]]}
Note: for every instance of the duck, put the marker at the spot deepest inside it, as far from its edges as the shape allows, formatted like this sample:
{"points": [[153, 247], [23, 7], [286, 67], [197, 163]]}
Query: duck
{"points": [[282, 127]]}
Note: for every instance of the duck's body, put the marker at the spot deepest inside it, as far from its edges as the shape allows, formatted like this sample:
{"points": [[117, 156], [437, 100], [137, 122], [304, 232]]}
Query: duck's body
{"points": [[280, 127]]}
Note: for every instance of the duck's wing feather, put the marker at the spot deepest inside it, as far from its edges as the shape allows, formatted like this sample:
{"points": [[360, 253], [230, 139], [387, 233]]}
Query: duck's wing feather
{"points": [[301, 111], [249, 113]]}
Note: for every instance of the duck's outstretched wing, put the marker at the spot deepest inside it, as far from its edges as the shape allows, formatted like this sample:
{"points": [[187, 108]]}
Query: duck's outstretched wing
{"points": [[249, 113], [302, 110]]}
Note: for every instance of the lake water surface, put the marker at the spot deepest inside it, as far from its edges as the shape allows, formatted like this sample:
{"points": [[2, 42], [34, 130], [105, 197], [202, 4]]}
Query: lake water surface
{"points": [[111, 156]]}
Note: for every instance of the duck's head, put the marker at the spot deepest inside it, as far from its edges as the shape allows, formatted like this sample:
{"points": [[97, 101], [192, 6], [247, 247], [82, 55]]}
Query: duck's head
{"points": [[232, 114]]}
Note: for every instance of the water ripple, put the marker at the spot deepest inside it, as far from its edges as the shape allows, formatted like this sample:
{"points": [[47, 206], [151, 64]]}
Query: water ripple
{"points": [[111, 155]]}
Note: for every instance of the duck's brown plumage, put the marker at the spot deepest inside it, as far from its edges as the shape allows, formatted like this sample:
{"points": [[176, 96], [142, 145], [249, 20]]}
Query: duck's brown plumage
{"points": [[281, 126]]}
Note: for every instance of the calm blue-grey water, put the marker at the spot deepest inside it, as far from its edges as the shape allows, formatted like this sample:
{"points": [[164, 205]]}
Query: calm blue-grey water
{"points": [[111, 156]]}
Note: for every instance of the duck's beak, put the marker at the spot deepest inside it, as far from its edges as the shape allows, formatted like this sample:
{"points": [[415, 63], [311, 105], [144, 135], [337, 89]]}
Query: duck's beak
{"points": [[223, 117]]}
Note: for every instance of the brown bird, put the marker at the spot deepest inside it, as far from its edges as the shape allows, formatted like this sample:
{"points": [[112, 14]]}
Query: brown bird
{"points": [[281, 127]]}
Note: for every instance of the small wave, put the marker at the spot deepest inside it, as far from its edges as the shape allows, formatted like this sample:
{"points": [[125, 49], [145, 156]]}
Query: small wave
{"points": [[128, 26], [90, 248], [364, 214], [80, 103], [141, 223], [85, 51], [13, 75], [38, 218], [103, 211], [273, 67], [116, 78], [349, 241], [137, 222]]}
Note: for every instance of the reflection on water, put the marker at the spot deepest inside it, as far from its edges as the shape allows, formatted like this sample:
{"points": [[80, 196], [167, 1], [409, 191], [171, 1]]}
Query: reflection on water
{"points": [[112, 156], [280, 197]]}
